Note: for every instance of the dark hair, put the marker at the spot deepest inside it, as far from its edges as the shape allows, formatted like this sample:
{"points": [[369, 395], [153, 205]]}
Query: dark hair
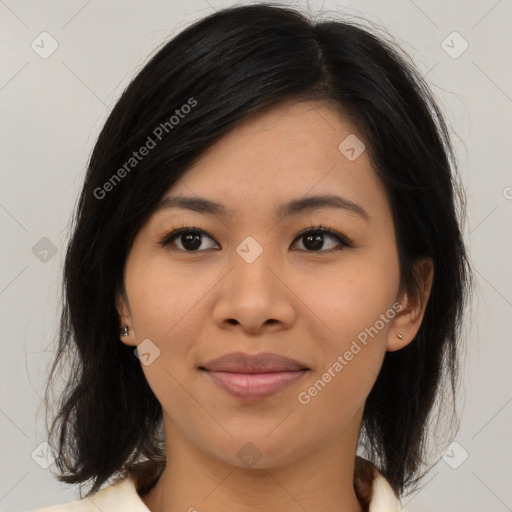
{"points": [[203, 83]]}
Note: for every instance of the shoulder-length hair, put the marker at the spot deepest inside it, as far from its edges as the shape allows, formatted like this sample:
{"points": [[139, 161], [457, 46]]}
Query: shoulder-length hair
{"points": [[227, 67]]}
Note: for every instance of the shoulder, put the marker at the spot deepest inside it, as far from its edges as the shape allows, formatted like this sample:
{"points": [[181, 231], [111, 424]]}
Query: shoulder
{"points": [[384, 498], [120, 496], [373, 490]]}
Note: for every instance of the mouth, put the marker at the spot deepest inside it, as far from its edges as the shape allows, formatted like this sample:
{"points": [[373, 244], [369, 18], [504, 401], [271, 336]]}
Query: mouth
{"points": [[255, 386], [254, 377]]}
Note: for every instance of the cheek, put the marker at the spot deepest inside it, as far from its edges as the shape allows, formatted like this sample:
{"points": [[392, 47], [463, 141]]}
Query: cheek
{"points": [[358, 311], [163, 296], [353, 295], [354, 318], [165, 306]]}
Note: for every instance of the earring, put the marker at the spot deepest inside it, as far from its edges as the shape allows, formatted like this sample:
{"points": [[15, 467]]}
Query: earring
{"points": [[400, 336], [124, 331]]}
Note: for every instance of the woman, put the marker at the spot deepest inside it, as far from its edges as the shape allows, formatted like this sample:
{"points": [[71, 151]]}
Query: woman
{"points": [[266, 278]]}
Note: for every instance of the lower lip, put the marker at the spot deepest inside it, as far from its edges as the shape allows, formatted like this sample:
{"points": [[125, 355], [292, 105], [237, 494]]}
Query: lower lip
{"points": [[255, 386]]}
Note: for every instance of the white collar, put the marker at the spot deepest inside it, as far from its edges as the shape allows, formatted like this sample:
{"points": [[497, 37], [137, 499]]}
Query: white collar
{"points": [[123, 496]]}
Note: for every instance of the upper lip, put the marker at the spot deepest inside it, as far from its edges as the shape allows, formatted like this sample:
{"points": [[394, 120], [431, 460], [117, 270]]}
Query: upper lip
{"points": [[238, 362]]}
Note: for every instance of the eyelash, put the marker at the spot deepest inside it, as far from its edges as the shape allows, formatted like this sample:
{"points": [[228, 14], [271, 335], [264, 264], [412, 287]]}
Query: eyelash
{"points": [[343, 241]]}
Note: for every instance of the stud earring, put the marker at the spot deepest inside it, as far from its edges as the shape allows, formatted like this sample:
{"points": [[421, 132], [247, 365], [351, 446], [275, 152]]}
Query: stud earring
{"points": [[124, 331], [400, 336]]}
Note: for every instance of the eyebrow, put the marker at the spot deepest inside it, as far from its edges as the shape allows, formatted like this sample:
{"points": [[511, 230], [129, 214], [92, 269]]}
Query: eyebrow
{"points": [[206, 206]]}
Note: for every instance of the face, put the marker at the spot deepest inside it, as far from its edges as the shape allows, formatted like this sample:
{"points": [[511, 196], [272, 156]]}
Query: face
{"points": [[258, 278]]}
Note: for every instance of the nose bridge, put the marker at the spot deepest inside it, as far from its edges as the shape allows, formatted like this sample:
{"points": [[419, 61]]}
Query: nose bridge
{"points": [[252, 260], [252, 294]]}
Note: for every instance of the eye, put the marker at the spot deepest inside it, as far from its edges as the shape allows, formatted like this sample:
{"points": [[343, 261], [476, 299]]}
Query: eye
{"points": [[314, 239], [190, 239]]}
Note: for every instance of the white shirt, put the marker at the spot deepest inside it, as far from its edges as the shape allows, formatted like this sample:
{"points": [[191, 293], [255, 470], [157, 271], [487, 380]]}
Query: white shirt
{"points": [[123, 497]]}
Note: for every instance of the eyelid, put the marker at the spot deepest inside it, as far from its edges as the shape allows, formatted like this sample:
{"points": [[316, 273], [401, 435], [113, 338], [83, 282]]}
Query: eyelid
{"points": [[169, 237], [327, 231], [343, 240]]}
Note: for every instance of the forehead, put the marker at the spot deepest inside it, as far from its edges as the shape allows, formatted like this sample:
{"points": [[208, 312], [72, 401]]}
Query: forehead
{"points": [[292, 151]]}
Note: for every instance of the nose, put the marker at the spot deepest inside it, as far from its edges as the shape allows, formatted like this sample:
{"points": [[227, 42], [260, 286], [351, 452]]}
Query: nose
{"points": [[255, 297]]}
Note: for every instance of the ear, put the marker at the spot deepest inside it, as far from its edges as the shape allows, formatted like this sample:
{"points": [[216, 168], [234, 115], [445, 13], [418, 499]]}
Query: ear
{"points": [[125, 319], [407, 322]]}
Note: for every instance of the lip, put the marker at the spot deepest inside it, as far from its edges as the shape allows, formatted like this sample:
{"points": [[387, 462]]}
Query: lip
{"points": [[255, 386], [254, 377], [266, 362]]}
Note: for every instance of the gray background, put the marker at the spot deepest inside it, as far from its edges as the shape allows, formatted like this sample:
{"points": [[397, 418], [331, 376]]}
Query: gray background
{"points": [[51, 112]]}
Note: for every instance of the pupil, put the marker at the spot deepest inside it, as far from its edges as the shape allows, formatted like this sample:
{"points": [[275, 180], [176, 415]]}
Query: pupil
{"points": [[318, 241], [188, 239]]}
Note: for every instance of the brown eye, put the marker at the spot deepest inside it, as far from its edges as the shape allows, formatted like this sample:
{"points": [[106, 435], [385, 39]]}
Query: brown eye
{"points": [[314, 240], [189, 238]]}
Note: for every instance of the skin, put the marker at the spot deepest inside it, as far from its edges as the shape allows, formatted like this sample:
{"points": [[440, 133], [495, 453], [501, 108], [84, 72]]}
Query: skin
{"points": [[292, 300]]}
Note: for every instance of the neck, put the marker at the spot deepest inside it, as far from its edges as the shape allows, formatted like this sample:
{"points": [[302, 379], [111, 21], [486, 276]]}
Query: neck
{"points": [[194, 481]]}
